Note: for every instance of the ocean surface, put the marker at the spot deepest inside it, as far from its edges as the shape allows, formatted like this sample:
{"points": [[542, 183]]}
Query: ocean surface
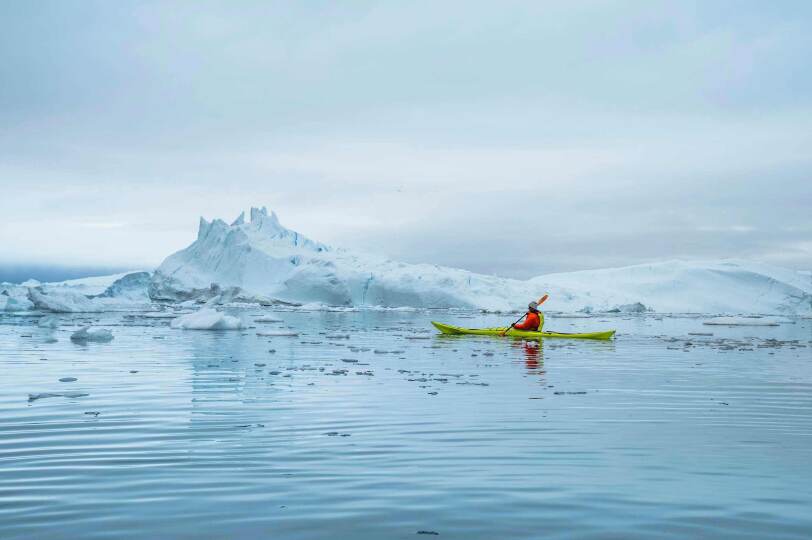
{"points": [[369, 425]]}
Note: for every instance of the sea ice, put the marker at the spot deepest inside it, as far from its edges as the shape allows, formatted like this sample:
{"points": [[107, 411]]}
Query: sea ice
{"points": [[741, 321], [207, 319], [100, 335]]}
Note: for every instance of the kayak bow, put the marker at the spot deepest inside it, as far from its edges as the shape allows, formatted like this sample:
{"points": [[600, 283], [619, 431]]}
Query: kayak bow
{"points": [[512, 332]]}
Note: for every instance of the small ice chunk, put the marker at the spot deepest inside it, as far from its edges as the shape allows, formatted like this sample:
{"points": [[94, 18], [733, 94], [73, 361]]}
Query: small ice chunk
{"points": [[267, 319], [207, 319], [281, 333], [101, 335]]}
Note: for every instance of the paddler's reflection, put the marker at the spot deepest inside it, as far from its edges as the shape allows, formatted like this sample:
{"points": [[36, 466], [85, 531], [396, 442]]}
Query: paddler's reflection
{"points": [[533, 354]]}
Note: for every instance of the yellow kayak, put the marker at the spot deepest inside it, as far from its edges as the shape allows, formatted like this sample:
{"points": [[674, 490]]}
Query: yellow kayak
{"points": [[456, 330]]}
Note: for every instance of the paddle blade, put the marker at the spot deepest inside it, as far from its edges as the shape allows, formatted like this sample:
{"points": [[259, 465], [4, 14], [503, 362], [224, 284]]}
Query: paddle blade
{"points": [[543, 299]]}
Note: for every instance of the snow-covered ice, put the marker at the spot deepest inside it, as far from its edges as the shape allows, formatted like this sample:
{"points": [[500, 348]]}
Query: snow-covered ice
{"points": [[207, 319]]}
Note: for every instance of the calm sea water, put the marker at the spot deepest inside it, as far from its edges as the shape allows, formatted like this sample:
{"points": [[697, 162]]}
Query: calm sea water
{"points": [[368, 425]]}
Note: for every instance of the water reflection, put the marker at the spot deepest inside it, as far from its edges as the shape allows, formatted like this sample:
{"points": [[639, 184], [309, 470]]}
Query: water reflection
{"points": [[533, 353]]}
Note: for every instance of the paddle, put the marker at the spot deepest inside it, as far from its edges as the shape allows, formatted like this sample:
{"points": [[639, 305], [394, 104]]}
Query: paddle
{"points": [[541, 301]]}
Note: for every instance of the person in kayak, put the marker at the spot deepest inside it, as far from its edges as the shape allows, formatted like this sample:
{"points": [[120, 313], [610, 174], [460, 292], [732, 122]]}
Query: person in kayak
{"points": [[533, 320]]}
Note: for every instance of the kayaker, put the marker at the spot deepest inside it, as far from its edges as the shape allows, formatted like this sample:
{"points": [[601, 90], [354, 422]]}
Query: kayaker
{"points": [[533, 320]]}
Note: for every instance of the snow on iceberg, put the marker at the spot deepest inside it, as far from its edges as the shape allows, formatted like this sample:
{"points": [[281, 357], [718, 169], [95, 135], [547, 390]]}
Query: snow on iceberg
{"points": [[206, 319]]}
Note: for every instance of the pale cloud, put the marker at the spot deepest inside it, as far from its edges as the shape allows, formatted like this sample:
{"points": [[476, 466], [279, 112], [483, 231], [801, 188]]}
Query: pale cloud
{"points": [[534, 137]]}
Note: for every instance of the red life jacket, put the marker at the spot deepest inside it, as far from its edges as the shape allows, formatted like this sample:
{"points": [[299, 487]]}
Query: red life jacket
{"points": [[531, 323]]}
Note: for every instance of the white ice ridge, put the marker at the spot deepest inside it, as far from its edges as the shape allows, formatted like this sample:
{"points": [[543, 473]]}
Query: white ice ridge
{"points": [[262, 261]]}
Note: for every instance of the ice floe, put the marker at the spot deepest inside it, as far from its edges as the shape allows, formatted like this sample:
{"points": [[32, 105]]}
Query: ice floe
{"points": [[100, 335], [207, 319], [741, 321]]}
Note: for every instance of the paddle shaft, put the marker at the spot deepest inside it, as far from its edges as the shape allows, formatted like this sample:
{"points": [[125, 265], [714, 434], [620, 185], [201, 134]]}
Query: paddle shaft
{"points": [[517, 321]]}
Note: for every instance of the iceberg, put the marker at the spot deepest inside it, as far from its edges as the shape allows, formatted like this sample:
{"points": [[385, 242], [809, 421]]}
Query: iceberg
{"points": [[103, 293], [261, 261], [60, 300], [718, 287], [14, 298], [89, 286], [261, 258], [206, 319], [131, 287]]}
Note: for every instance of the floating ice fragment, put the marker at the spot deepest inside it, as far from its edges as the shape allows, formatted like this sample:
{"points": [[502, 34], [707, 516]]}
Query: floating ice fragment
{"points": [[741, 321], [207, 319], [100, 335]]}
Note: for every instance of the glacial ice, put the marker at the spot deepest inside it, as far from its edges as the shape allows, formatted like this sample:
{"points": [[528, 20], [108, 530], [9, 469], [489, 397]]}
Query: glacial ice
{"points": [[61, 300], [100, 335], [260, 262], [206, 319], [261, 259], [14, 298]]}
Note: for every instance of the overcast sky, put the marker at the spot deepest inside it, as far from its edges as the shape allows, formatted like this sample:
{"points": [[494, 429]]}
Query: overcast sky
{"points": [[515, 138]]}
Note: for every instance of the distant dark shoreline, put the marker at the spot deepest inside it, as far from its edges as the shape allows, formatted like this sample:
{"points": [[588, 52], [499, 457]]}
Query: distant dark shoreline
{"points": [[18, 273]]}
